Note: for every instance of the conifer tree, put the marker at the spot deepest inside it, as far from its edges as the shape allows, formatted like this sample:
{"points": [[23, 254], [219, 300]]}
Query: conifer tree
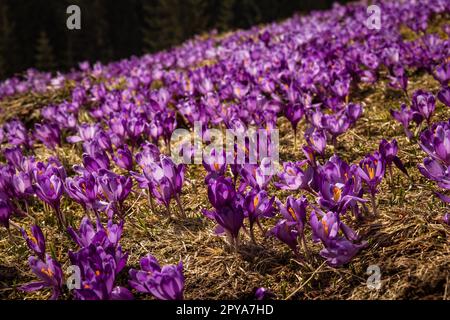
{"points": [[45, 59], [7, 44], [225, 15], [162, 27]]}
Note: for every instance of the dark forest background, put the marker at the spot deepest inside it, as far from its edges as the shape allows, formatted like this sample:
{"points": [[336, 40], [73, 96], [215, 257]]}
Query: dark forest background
{"points": [[33, 33]]}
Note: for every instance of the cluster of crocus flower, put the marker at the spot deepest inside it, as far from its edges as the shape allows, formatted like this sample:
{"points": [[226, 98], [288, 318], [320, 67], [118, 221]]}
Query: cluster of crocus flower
{"points": [[46, 268], [304, 69], [435, 141], [164, 283], [422, 108], [337, 187]]}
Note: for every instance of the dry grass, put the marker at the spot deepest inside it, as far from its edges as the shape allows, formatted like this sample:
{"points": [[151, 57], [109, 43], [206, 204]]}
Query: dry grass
{"points": [[407, 240]]}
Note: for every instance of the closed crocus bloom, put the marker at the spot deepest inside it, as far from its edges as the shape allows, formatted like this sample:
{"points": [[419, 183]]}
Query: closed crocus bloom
{"points": [[35, 240], [95, 163], [5, 212], [388, 151], [14, 156], [444, 96], [86, 132], [341, 87], [423, 105], [23, 185], [173, 172], [48, 134], [442, 73], [287, 233], [135, 128], [221, 192], [257, 205], [403, 116], [166, 283], [317, 140], [49, 273], [49, 189], [17, 133], [124, 158], [103, 140], [114, 187]]}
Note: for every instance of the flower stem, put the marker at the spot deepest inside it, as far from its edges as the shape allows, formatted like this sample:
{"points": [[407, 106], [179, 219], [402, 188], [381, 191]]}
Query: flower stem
{"points": [[374, 204], [180, 205]]}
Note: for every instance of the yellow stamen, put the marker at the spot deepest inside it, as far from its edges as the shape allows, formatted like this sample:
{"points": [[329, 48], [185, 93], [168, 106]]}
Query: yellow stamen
{"points": [[371, 171], [255, 201], [47, 271], [325, 226], [292, 212], [337, 193], [31, 237]]}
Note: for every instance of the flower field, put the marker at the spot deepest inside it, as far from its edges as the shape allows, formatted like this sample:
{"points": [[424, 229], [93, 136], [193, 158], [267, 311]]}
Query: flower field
{"points": [[95, 203]]}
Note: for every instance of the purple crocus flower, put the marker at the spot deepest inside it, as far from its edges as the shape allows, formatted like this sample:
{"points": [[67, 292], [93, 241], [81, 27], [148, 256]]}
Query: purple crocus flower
{"points": [[165, 180], [14, 157], [371, 169], [115, 188], [166, 283], [17, 134], [49, 189], [404, 116], [106, 236], [398, 78], [35, 240], [221, 192], [263, 294], [215, 164], [48, 134], [257, 205], [49, 273], [337, 196], [317, 140], [294, 176], [99, 270], [446, 219], [86, 132], [436, 142], [442, 73], [444, 96], [294, 113], [434, 170], [423, 105], [388, 152], [84, 190], [337, 250], [287, 233], [124, 158], [257, 177], [6, 211]]}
